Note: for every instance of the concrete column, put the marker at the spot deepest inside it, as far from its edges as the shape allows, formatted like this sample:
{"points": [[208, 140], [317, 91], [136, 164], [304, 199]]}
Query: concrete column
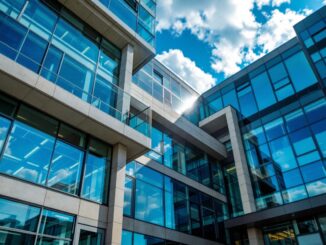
{"points": [[116, 195], [255, 236], [125, 78], [247, 196]]}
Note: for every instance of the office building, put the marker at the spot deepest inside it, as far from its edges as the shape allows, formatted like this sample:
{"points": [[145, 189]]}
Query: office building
{"points": [[100, 143]]}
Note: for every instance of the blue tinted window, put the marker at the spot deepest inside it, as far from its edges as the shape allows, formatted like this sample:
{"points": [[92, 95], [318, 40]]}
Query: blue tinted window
{"points": [[319, 130], [95, 186], [294, 194], [150, 176], [14, 238], [12, 7], [32, 52], [300, 71], [12, 36], [247, 102], [4, 127], [75, 78], [39, 18], [277, 72], [140, 239], [27, 154], [295, 120], [65, 168], [124, 12], [128, 196], [284, 92], [317, 188], [126, 238], [149, 203], [51, 64], [302, 141], [290, 179], [275, 129], [56, 224], [263, 91], [230, 98], [19, 216], [282, 153], [316, 111], [313, 171]]}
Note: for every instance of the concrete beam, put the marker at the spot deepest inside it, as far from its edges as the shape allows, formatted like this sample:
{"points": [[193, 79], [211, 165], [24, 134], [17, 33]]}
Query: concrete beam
{"points": [[98, 16], [180, 177], [227, 117], [179, 125], [163, 233], [46, 96], [116, 195]]}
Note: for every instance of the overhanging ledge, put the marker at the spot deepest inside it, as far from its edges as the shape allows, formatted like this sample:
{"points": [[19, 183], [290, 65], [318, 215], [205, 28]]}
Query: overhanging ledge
{"points": [[44, 95]]}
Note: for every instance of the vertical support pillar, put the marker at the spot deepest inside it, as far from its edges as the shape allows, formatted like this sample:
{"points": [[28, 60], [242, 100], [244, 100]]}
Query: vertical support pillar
{"points": [[247, 196], [116, 195], [125, 78], [255, 236]]}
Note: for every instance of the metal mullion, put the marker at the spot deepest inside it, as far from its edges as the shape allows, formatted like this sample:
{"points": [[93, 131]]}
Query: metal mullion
{"points": [[10, 229], [85, 157], [22, 11], [38, 225]]}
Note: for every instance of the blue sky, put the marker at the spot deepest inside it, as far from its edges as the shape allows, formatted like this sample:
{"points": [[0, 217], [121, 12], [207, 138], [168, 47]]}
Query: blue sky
{"points": [[206, 41]]}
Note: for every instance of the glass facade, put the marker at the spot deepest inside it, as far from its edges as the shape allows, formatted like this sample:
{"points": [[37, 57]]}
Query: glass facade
{"points": [[39, 149], [152, 197], [138, 15], [307, 230], [24, 224], [50, 41], [182, 157], [164, 87]]}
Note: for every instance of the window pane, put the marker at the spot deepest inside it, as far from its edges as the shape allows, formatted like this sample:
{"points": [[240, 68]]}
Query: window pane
{"points": [[91, 238], [295, 120], [290, 179], [51, 64], [12, 7], [275, 129], [65, 168], [96, 181], [32, 52], [19, 216], [126, 238], [15, 238], [247, 102], [319, 130], [316, 110], [302, 141], [263, 91], [27, 154], [305, 77], [294, 194], [313, 171], [56, 224], [71, 135], [149, 203], [37, 120], [40, 19], [150, 176], [128, 196], [7, 106], [109, 60], [4, 127], [141, 239], [282, 154], [230, 98], [76, 78], [277, 72], [316, 188], [12, 36], [284, 92], [76, 44]]}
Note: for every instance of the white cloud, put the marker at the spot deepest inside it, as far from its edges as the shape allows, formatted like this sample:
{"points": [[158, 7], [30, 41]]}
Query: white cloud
{"points": [[273, 3], [187, 69], [278, 28], [230, 28]]}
